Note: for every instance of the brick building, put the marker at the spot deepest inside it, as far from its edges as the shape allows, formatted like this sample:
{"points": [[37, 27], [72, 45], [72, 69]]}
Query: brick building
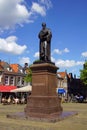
{"points": [[11, 75], [62, 83]]}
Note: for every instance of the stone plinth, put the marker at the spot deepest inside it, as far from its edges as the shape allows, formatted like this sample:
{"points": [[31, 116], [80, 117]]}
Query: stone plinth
{"points": [[44, 101]]}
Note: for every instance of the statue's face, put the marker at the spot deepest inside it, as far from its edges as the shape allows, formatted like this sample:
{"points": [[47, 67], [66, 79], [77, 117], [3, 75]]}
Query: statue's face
{"points": [[44, 25]]}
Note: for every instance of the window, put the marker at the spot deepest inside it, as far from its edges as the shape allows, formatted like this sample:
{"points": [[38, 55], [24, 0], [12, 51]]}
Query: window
{"points": [[12, 80], [19, 81], [6, 80], [64, 84]]}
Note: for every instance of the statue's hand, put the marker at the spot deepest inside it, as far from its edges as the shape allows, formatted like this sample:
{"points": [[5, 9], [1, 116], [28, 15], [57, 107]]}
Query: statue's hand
{"points": [[48, 38]]}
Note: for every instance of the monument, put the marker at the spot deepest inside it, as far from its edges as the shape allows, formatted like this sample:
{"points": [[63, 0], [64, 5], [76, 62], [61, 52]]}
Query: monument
{"points": [[44, 103]]}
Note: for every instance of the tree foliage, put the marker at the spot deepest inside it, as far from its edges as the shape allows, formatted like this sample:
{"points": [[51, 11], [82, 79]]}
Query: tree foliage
{"points": [[28, 77], [83, 74]]}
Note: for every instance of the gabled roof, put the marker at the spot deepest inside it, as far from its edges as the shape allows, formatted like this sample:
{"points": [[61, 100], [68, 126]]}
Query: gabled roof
{"points": [[14, 67], [1, 68], [17, 68], [70, 75], [5, 66], [62, 74]]}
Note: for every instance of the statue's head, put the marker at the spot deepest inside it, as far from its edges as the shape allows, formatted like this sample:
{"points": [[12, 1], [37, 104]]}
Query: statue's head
{"points": [[43, 25]]}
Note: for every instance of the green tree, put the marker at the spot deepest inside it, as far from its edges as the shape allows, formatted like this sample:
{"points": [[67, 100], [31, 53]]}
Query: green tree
{"points": [[28, 77], [83, 74]]}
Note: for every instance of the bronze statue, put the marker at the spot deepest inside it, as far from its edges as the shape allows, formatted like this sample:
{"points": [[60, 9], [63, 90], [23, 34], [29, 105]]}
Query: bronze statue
{"points": [[45, 36]]}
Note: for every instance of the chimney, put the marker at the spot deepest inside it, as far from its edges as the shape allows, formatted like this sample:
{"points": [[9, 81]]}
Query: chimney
{"points": [[26, 65], [74, 76]]}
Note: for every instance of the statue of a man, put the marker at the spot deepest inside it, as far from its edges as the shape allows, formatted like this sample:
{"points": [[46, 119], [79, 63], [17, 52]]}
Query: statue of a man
{"points": [[45, 36]]}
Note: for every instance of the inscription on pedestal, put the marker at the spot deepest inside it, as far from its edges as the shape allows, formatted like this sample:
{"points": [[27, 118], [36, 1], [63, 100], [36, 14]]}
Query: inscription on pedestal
{"points": [[38, 84]]}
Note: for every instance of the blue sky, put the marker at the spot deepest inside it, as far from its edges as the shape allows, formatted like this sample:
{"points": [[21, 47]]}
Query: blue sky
{"points": [[20, 23]]}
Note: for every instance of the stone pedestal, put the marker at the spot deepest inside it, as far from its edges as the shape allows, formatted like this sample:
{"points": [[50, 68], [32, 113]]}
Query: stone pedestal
{"points": [[44, 101]]}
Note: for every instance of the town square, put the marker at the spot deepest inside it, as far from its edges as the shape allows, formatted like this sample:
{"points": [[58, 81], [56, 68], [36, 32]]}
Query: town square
{"points": [[43, 65]]}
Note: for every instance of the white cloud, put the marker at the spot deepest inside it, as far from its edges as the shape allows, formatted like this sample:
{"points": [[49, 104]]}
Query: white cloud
{"points": [[12, 12], [66, 50], [84, 54], [37, 8], [15, 12], [36, 55], [52, 59], [10, 45], [68, 63], [47, 3], [24, 60], [57, 51]]}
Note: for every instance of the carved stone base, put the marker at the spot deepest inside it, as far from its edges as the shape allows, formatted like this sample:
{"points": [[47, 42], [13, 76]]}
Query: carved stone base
{"points": [[43, 106], [44, 101]]}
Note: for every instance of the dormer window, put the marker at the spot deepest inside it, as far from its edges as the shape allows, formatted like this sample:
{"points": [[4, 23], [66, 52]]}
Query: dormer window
{"points": [[59, 76], [21, 71], [65, 77], [8, 69]]}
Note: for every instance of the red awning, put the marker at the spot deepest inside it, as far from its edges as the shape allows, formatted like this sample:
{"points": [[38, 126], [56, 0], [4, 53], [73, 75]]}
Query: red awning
{"points": [[7, 88]]}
